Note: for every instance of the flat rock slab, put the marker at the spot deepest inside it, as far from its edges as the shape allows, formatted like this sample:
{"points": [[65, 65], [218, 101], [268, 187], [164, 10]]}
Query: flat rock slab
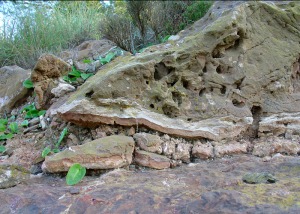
{"points": [[104, 153], [151, 160], [204, 187]]}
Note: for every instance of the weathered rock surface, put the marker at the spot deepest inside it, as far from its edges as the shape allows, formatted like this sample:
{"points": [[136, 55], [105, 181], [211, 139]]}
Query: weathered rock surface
{"points": [[231, 148], [272, 145], [11, 175], [11, 88], [206, 187], [151, 160], [62, 88], [47, 69], [104, 153], [148, 142], [215, 82]]}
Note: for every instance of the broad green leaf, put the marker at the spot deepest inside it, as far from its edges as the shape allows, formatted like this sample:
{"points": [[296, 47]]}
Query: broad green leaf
{"points": [[13, 127], [28, 83], [41, 112], [85, 76], [74, 73], [2, 149], [87, 61], [32, 114], [2, 127], [61, 137], [6, 136], [25, 123], [103, 61], [3, 121], [67, 79], [45, 152], [75, 174], [29, 107]]}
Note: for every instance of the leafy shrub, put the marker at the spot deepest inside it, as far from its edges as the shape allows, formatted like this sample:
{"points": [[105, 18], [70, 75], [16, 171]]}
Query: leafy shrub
{"points": [[75, 74]]}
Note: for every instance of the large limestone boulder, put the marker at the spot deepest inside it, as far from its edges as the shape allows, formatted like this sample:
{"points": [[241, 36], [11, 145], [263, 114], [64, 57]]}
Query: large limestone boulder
{"points": [[215, 82], [104, 153], [47, 69], [11, 88]]}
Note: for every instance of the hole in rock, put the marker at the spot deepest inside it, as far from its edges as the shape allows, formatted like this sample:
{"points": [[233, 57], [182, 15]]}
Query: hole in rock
{"points": [[256, 114], [177, 98], [237, 103], [219, 69], [147, 82], [223, 89], [185, 83], [172, 81], [151, 106], [204, 69], [189, 119], [89, 94], [161, 70], [201, 92], [239, 83], [170, 111]]}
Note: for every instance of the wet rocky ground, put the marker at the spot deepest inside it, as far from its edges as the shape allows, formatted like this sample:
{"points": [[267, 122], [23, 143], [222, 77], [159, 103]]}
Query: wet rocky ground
{"points": [[212, 186]]}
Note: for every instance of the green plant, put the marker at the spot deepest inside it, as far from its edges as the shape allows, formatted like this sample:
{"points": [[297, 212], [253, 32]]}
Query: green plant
{"points": [[25, 123], [87, 61], [75, 74], [3, 123], [107, 58], [28, 84], [6, 136], [47, 150], [14, 127], [165, 38], [75, 174], [32, 112], [2, 149]]}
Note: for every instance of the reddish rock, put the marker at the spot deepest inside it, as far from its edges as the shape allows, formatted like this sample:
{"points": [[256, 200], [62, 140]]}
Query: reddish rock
{"points": [[151, 160], [230, 149], [203, 151], [104, 153], [269, 146]]}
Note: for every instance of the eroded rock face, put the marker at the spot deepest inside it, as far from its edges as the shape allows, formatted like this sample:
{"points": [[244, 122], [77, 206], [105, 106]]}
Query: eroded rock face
{"points": [[151, 160], [47, 69], [104, 153], [213, 83], [11, 88]]}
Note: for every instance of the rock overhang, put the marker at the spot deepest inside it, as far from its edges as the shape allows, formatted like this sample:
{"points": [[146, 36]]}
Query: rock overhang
{"points": [[237, 63]]}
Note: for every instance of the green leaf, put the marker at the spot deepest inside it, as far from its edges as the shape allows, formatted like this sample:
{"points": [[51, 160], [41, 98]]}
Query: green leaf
{"points": [[87, 61], [67, 79], [61, 137], [110, 56], [3, 121], [12, 118], [85, 76], [103, 61], [32, 114], [25, 123], [55, 150], [45, 152], [2, 149], [14, 127], [6, 136], [75, 73], [75, 174], [41, 112], [29, 107], [2, 127], [28, 84], [165, 38]]}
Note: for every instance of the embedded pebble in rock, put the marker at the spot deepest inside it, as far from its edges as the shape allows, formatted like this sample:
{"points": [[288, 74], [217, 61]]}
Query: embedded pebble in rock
{"points": [[104, 153], [151, 160], [182, 152], [203, 150], [271, 145], [168, 148], [148, 142], [230, 149]]}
